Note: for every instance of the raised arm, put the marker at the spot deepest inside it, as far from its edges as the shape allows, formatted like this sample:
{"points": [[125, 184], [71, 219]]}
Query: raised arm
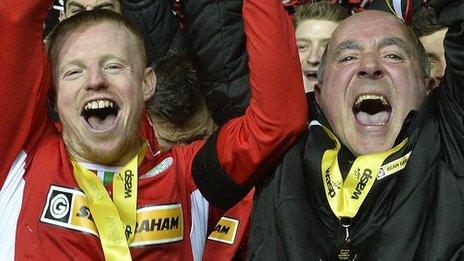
{"points": [[24, 76], [248, 146], [451, 92]]}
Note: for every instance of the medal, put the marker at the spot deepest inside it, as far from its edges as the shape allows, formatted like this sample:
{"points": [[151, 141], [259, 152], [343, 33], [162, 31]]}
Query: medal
{"points": [[345, 245]]}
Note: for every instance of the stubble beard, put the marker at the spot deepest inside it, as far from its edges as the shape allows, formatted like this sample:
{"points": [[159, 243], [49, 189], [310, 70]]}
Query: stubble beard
{"points": [[91, 152]]}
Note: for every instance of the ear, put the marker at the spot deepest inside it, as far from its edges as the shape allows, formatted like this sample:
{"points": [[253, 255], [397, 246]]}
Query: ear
{"points": [[149, 83], [62, 16], [317, 92]]}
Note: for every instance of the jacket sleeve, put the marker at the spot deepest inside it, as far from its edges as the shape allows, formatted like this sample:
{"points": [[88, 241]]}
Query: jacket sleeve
{"points": [[248, 146], [220, 56], [157, 23], [24, 76], [451, 92]]}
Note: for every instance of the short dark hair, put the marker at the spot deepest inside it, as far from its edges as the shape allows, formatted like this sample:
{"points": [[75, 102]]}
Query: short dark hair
{"points": [[425, 22], [322, 10], [177, 97]]}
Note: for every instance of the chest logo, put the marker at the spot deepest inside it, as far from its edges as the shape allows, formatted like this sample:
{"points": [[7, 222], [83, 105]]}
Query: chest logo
{"points": [[68, 208], [225, 231]]}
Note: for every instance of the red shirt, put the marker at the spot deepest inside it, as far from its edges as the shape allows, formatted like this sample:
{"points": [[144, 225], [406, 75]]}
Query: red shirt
{"points": [[43, 209]]}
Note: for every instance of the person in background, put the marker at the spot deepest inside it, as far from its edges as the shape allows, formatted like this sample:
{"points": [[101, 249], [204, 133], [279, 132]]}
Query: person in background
{"points": [[72, 7], [179, 116], [178, 110], [431, 34], [314, 24]]}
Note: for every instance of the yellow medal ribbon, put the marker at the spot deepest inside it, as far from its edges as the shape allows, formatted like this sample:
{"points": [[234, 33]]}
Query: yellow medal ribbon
{"points": [[345, 197], [115, 221]]}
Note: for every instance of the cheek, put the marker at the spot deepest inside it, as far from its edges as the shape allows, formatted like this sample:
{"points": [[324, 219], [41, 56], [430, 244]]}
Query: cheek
{"points": [[65, 97], [302, 56]]}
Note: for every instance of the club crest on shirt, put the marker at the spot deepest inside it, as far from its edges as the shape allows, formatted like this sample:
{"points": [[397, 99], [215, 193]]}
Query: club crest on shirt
{"points": [[225, 231], [68, 208], [158, 169]]}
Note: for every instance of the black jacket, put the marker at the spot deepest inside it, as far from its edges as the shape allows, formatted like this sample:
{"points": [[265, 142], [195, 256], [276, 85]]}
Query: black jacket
{"points": [[216, 40], [213, 38], [157, 23], [414, 214]]}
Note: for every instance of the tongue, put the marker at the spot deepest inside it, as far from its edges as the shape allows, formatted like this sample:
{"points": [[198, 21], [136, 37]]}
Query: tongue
{"points": [[100, 124], [377, 119]]}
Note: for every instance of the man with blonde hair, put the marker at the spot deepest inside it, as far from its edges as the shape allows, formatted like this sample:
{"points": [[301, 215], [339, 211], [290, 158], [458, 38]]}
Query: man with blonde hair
{"points": [[314, 24], [92, 189]]}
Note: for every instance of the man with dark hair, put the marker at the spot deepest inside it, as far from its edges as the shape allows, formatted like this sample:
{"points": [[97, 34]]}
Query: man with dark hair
{"points": [[314, 23], [91, 189], [431, 34], [179, 115], [177, 109], [378, 175], [72, 7]]}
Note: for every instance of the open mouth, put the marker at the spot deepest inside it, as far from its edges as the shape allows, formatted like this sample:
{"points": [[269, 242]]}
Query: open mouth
{"points": [[100, 114], [372, 109]]}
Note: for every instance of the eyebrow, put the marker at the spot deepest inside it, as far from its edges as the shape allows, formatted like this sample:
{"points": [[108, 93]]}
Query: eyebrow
{"points": [[103, 5], [386, 41], [433, 56], [307, 39], [303, 39], [75, 4], [395, 41], [348, 45], [99, 6]]}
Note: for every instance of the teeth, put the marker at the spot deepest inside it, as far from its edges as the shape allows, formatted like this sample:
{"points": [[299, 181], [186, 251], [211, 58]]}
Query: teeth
{"points": [[371, 97], [99, 104]]}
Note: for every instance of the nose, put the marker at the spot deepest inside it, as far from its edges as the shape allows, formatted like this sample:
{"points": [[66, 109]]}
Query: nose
{"points": [[370, 67], [314, 57], [96, 80]]}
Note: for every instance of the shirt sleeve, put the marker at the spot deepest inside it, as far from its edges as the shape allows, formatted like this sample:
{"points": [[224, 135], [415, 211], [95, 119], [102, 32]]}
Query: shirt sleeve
{"points": [[450, 94], [249, 146], [24, 76]]}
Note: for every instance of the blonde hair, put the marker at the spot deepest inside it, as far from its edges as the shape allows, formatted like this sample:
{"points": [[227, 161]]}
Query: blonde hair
{"points": [[322, 10]]}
